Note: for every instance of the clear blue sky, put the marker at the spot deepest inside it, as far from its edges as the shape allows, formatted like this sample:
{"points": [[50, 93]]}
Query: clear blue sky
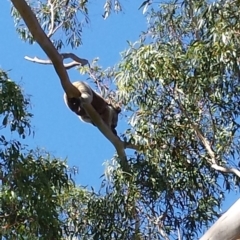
{"points": [[57, 129]]}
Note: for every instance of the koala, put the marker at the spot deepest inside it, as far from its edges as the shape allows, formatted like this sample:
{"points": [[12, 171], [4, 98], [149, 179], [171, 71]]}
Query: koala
{"points": [[108, 112]]}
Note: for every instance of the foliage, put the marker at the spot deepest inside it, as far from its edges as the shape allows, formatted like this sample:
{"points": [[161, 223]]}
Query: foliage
{"points": [[60, 20], [53, 16], [31, 181], [14, 110], [110, 6], [181, 84], [180, 87]]}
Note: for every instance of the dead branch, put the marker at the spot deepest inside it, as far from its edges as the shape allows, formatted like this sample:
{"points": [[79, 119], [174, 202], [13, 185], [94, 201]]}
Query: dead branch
{"points": [[57, 61], [48, 61]]}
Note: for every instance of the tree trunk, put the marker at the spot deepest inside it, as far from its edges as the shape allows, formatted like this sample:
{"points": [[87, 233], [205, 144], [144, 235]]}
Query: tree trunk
{"points": [[227, 226]]}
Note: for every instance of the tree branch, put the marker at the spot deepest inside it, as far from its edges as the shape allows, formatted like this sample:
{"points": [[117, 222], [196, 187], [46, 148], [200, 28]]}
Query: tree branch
{"points": [[227, 226], [50, 34], [51, 6], [74, 57], [47, 46], [48, 61], [213, 159], [115, 140], [57, 60]]}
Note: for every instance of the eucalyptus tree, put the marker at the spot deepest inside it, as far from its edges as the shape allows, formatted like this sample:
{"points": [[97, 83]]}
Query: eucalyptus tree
{"points": [[179, 86]]}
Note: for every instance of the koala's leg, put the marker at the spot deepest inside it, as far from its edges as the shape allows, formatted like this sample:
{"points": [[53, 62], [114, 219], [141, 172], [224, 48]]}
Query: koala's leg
{"points": [[107, 116], [114, 130], [110, 118]]}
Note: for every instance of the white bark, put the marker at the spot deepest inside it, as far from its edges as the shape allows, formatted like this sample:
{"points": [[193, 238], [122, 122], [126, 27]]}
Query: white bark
{"points": [[227, 226]]}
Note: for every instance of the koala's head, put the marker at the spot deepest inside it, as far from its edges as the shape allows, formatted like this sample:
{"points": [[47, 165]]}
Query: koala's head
{"points": [[75, 105]]}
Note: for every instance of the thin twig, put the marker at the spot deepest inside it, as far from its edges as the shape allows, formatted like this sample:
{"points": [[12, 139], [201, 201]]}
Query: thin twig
{"points": [[54, 30]]}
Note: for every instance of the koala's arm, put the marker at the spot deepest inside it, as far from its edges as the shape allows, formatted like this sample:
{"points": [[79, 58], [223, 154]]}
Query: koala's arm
{"points": [[106, 116], [85, 90]]}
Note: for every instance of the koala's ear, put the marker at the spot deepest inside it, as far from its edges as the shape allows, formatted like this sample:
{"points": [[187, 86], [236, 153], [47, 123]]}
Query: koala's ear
{"points": [[118, 109]]}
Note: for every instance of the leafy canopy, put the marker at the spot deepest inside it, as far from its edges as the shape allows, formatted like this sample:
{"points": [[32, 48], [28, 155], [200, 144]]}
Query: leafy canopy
{"points": [[180, 87]]}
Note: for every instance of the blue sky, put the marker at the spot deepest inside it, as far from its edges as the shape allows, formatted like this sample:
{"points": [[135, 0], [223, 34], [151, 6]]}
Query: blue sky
{"points": [[57, 129]]}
